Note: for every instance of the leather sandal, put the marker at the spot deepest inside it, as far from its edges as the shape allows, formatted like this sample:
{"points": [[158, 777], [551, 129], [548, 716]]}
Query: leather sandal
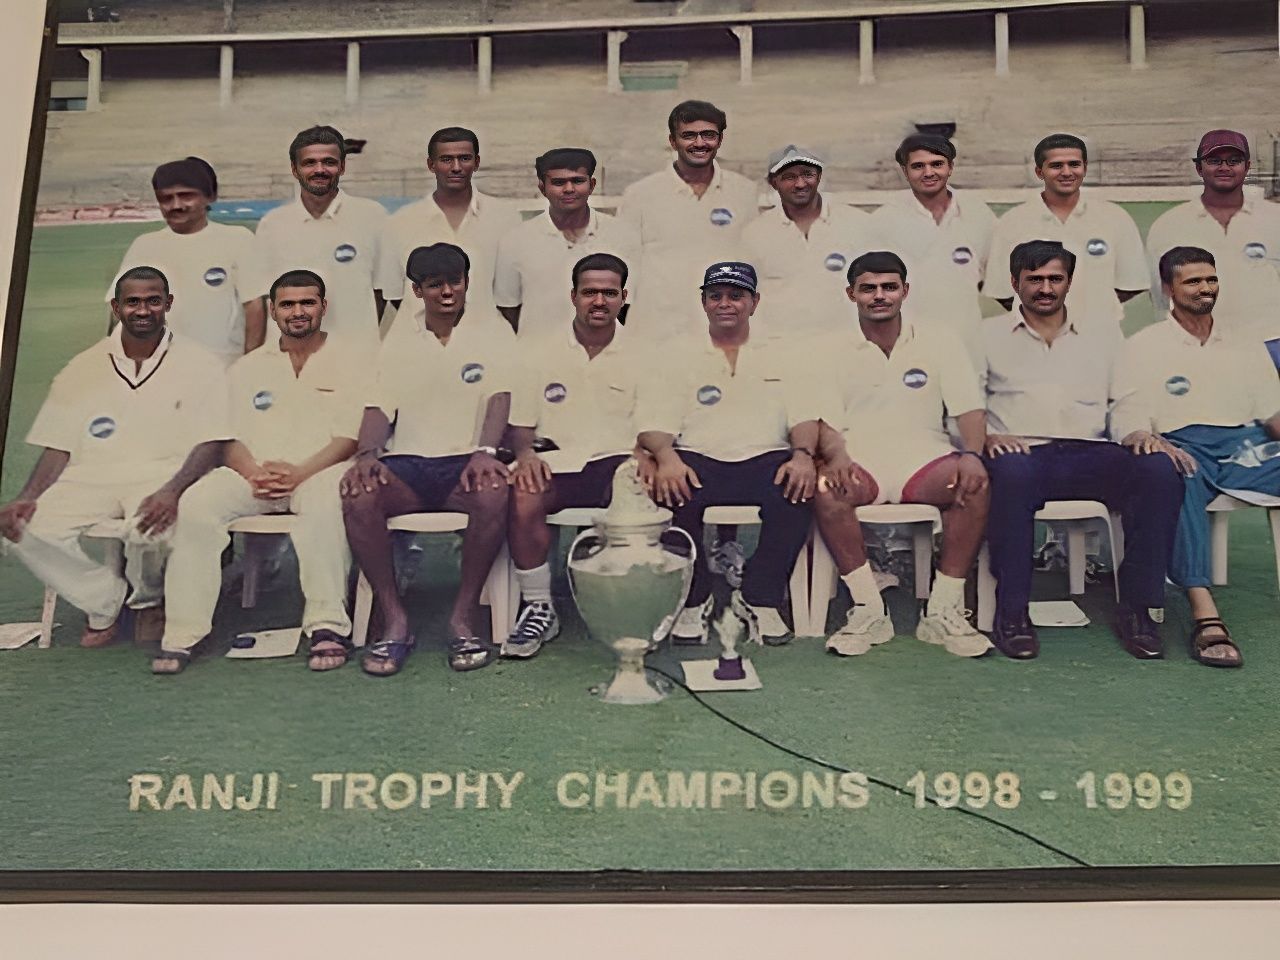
{"points": [[1199, 644], [469, 653], [394, 652], [327, 643]]}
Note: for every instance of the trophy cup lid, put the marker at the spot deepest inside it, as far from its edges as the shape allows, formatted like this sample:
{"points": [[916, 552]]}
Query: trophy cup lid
{"points": [[631, 509]]}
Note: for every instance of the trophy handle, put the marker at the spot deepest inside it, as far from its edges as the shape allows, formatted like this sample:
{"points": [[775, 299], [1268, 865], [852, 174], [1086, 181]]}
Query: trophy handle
{"points": [[660, 632], [590, 531]]}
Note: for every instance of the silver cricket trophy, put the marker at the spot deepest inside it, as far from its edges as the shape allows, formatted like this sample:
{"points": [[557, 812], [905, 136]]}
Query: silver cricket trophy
{"points": [[629, 585]]}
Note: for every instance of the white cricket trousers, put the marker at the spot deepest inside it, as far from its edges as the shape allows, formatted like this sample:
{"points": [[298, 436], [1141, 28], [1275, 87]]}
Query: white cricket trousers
{"points": [[194, 577], [50, 545]]}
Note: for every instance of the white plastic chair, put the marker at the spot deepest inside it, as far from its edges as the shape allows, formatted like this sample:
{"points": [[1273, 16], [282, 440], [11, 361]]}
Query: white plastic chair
{"points": [[109, 530], [1077, 514], [924, 521], [1219, 532], [499, 589]]}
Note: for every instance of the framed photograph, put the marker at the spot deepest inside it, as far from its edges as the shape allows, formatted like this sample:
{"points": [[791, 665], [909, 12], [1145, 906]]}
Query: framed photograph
{"points": [[905, 774]]}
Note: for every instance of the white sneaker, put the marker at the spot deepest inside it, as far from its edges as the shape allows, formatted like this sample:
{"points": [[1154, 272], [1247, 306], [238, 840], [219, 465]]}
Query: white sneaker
{"points": [[864, 627], [538, 624], [693, 624], [727, 560], [764, 624], [950, 628]]}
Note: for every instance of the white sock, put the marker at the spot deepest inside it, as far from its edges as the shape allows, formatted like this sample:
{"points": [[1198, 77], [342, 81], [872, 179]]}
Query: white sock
{"points": [[535, 584], [862, 587], [947, 592]]}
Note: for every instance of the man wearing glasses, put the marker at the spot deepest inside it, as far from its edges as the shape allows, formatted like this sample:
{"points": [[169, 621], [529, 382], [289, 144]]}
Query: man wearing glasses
{"points": [[1242, 232]]}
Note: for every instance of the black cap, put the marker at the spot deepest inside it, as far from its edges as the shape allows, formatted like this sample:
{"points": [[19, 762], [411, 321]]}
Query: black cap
{"points": [[733, 272]]}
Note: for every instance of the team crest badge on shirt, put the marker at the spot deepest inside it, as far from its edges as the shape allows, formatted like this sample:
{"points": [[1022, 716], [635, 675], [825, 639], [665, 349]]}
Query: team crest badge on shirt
{"points": [[1255, 251], [834, 261], [1177, 386], [263, 400], [344, 253], [1097, 247], [709, 395], [961, 255], [215, 276], [915, 378], [472, 372], [555, 392], [101, 427], [721, 217]]}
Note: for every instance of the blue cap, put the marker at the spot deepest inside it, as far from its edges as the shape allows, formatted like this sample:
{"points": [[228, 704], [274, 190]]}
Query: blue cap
{"points": [[733, 272]]}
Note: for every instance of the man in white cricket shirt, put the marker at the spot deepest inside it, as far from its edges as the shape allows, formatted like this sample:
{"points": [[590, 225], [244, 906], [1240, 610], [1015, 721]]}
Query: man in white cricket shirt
{"points": [[204, 261], [128, 425]]}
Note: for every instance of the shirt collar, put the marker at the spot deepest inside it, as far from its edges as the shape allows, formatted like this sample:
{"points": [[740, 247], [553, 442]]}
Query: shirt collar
{"points": [[779, 212], [1250, 206], [124, 366], [1179, 332], [551, 230], [717, 178], [1018, 320], [473, 210], [619, 337], [907, 201], [330, 213], [1081, 208]]}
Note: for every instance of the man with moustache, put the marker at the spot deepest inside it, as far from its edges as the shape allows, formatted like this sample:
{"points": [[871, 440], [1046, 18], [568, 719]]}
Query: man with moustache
{"points": [[536, 258], [572, 424], [329, 232], [1242, 232], [1210, 399], [734, 421], [205, 263], [1111, 265], [295, 413], [429, 442], [942, 236], [884, 441], [454, 212], [802, 247], [1048, 382], [127, 427]]}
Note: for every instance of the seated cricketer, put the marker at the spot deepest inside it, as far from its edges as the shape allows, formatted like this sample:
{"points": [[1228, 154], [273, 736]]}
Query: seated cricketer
{"points": [[886, 442], [577, 401], [1210, 399], [731, 421], [295, 412], [1048, 380], [429, 442], [129, 424]]}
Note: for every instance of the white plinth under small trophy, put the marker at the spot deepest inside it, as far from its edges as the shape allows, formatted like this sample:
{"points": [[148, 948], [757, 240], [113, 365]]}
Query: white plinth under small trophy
{"points": [[731, 671]]}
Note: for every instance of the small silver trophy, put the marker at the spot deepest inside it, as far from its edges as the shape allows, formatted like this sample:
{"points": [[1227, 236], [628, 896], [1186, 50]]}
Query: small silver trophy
{"points": [[629, 585]]}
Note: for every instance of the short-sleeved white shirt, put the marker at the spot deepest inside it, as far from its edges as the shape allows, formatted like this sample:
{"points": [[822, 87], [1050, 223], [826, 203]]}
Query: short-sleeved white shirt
{"points": [[681, 234], [207, 277], [1105, 240], [436, 394], [1166, 379], [892, 408], [535, 268], [280, 415], [729, 414], [585, 404], [802, 279], [1042, 391], [341, 245], [1247, 254], [945, 261], [118, 421], [423, 223]]}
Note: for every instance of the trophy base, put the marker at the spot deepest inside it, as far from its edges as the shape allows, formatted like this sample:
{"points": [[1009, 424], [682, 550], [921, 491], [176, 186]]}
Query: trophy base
{"points": [[701, 675], [636, 687]]}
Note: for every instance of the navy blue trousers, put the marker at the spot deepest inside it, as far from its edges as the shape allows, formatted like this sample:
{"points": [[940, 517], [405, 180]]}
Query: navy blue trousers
{"points": [[784, 526], [1146, 489]]}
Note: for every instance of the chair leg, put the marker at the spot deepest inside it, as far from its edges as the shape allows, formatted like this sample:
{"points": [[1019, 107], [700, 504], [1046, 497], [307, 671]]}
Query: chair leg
{"points": [[257, 547], [363, 612], [922, 550], [498, 589], [1116, 534], [1273, 514], [802, 594], [824, 578], [1076, 555], [986, 591], [46, 618], [1219, 532]]}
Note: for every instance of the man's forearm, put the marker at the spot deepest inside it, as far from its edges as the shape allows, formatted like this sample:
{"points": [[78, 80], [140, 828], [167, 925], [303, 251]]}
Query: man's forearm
{"points": [[830, 442], [1272, 426], [238, 458], [512, 316], [657, 443], [804, 436], [973, 430], [202, 458], [43, 475], [521, 440], [255, 324], [375, 428], [334, 452], [495, 419]]}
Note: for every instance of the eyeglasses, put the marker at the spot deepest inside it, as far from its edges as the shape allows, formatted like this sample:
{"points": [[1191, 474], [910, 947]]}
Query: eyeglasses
{"points": [[1213, 163], [692, 136]]}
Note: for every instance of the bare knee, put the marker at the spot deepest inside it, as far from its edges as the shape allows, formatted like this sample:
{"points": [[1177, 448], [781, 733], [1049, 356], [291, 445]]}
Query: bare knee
{"points": [[488, 502]]}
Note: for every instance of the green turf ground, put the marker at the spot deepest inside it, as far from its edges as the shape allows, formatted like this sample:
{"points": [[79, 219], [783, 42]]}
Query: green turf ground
{"points": [[79, 723]]}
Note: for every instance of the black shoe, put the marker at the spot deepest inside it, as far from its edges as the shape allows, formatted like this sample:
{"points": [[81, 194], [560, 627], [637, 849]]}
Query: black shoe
{"points": [[1015, 637], [1139, 633]]}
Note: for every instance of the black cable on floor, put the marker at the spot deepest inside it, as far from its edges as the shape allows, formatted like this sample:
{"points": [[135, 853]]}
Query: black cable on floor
{"points": [[1044, 844]]}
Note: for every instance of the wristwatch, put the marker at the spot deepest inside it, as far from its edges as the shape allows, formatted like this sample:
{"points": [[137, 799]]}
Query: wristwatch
{"points": [[491, 451]]}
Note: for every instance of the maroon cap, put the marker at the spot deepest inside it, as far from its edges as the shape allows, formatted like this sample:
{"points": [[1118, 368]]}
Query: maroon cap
{"points": [[1216, 140]]}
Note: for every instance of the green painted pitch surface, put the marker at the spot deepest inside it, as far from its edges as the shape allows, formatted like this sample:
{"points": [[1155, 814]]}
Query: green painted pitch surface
{"points": [[78, 723]]}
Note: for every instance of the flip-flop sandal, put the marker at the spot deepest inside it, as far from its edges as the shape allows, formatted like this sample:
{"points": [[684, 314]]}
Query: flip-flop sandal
{"points": [[339, 647], [183, 658], [469, 653], [394, 652], [1199, 644]]}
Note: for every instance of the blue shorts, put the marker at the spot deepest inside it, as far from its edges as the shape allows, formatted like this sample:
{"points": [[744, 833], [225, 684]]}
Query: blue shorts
{"points": [[433, 479]]}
